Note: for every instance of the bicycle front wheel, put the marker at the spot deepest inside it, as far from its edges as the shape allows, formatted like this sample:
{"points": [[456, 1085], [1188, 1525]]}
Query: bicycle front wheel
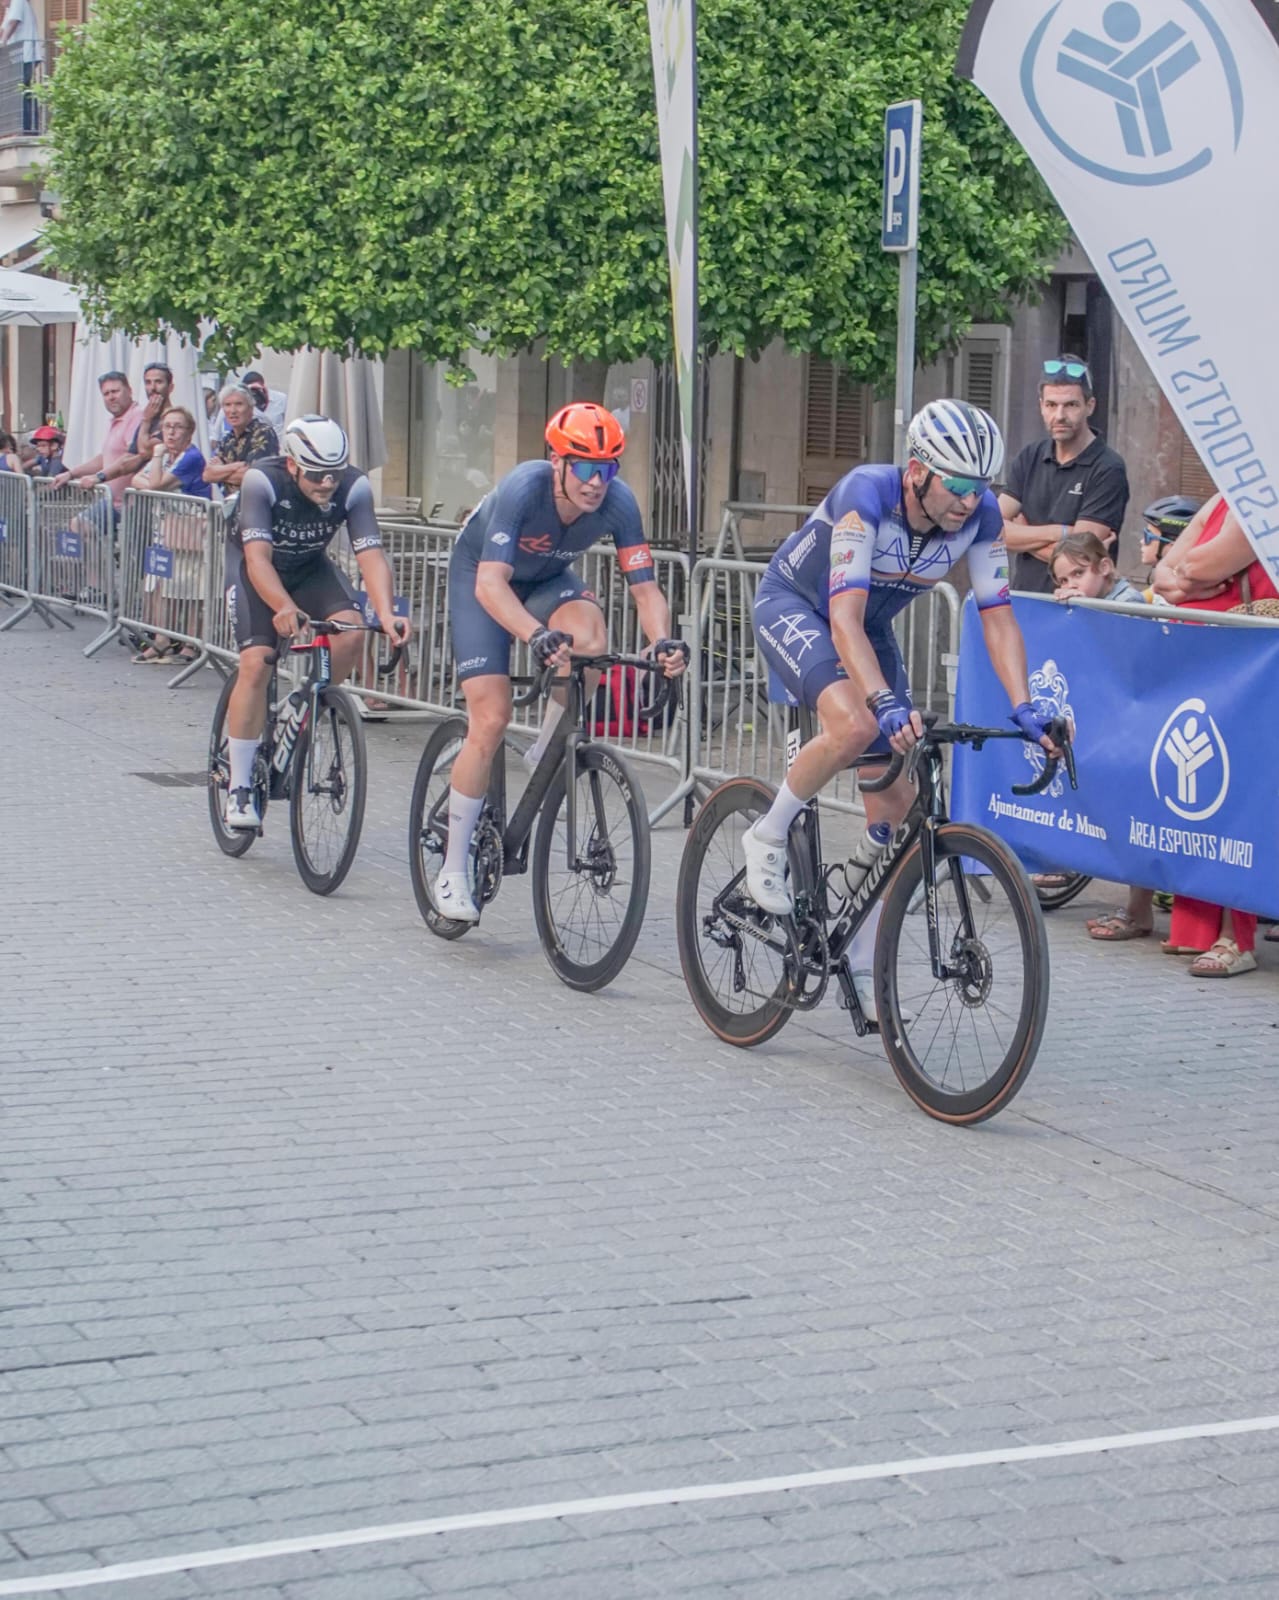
{"points": [[962, 1045], [733, 954], [590, 891], [327, 786], [232, 841]]}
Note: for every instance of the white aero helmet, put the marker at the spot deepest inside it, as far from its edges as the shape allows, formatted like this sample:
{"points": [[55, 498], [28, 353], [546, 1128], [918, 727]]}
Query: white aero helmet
{"points": [[317, 444], [954, 439]]}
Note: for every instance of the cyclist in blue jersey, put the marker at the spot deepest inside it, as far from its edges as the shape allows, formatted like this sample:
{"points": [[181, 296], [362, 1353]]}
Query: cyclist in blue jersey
{"points": [[824, 612], [290, 508], [511, 577]]}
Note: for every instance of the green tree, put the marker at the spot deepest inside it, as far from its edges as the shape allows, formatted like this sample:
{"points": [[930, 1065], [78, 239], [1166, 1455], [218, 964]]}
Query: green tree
{"points": [[443, 175]]}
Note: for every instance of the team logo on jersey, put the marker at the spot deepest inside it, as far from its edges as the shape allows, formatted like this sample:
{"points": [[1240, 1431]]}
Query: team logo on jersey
{"points": [[536, 544], [796, 636], [635, 558], [803, 547], [499, 538], [850, 522]]}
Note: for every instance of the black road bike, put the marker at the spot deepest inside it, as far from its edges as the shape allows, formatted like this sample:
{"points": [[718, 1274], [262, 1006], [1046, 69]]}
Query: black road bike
{"points": [[591, 849], [312, 753], [961, 957]]}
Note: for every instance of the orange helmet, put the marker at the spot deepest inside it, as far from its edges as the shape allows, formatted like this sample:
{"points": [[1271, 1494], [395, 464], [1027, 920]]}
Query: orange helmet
{"points": [[585, 429]]}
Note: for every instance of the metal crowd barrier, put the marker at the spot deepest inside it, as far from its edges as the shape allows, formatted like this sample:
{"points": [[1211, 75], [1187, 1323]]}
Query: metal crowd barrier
{"points": [[169, 580], [15, 546], [735, 729], [73, 550]]}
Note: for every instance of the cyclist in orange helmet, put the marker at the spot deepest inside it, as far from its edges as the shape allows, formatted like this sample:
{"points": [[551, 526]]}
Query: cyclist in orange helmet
{"points": [[511, 577]]}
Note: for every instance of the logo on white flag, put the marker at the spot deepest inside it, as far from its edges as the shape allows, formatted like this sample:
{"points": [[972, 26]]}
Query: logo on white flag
{"points": [[1050, 696], [1190, 763], [1135, 94]]}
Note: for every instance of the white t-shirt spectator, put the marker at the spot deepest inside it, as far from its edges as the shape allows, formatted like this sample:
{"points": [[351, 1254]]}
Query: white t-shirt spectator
{"points": [[26, 30]]}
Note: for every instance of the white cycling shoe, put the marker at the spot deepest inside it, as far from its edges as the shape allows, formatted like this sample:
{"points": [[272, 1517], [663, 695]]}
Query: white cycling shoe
{"points": [[864, 983], [452, 896], [242, 809], [766, 874]]}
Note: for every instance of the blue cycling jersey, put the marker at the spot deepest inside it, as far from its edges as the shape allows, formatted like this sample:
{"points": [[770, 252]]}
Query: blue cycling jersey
{"points": [[858, 538], [518, 525]]}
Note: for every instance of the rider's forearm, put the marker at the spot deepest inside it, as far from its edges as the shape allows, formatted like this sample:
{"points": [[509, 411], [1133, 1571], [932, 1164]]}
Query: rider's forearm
{"points": [[857, 653], [375, 569], [652, 610], [1007, 651], [493, 591], [263, 576]]}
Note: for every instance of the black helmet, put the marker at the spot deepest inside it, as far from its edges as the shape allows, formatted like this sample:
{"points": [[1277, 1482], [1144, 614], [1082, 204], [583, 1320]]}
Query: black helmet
{"points": [[1170, 515]]}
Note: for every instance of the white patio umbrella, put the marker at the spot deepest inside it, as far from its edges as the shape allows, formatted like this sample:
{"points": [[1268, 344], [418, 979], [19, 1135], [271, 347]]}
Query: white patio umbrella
{"points": [[87, 419], [28, 301], [345, 390]]}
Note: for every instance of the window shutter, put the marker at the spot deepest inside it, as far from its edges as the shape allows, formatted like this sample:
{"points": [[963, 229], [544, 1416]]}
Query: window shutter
{"points": [[979, 379], [56, 11], [1193, 478], [835, 411]]}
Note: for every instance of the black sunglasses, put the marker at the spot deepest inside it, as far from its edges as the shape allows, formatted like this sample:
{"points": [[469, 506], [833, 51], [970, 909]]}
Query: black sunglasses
{"points": [[323, 476]]}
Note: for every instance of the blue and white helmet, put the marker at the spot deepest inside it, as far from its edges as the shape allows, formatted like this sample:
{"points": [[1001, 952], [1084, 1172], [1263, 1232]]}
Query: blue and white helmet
{"points": [[317, 444], [954, 439]]}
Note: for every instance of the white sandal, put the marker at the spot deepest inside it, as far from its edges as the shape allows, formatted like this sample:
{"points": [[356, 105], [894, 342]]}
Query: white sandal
{"points": [[1224, 960]]}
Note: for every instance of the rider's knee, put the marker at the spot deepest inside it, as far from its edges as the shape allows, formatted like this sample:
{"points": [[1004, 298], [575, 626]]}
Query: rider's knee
{"points": [[488, 722], [255, 667], [852, 733]]}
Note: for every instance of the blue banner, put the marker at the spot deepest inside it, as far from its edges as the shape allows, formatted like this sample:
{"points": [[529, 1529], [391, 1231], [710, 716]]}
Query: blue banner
{"points": [[4, 530], [159, 561], [399, 603], [1178, 766], [68, 544]]}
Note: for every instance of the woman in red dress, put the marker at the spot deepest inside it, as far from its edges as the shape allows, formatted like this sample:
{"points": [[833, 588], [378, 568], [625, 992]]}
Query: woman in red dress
{"points": [[1212, 567]]}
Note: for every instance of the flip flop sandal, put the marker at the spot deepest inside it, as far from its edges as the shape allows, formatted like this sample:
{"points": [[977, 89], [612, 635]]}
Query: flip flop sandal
{"points": [[1224, 960], [1115, 929]]}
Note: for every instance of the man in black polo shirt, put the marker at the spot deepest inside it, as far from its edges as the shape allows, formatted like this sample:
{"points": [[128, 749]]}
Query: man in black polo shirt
{"points": [[1070, 482]]}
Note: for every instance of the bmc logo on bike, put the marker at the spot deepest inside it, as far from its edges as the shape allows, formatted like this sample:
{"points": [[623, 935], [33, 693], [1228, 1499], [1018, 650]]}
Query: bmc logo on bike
{"points": [[1134, 94], [1190, 760]]}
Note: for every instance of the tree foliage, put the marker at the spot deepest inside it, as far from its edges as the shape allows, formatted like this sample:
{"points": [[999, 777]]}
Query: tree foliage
{"points": [[442, 175]]}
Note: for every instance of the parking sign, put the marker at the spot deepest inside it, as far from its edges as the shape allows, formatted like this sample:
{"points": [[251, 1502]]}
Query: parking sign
{"points": [[902, 127]]}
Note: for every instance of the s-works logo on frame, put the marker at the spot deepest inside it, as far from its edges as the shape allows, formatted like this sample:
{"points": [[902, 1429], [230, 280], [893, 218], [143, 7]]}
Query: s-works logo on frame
{"points": [[1144, 94]]}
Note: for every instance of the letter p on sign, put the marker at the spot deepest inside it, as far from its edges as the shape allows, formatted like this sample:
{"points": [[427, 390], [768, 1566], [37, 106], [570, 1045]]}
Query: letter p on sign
{"points": [[902, 124]]}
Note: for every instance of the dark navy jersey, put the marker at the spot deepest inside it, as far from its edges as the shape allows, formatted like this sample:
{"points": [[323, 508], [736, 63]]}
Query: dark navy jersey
{"points": [[858, 538], [274, 511], [518, 525]]}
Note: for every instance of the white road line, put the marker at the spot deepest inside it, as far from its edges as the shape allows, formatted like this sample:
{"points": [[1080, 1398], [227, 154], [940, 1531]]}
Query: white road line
{"points": [[350, 1537]]}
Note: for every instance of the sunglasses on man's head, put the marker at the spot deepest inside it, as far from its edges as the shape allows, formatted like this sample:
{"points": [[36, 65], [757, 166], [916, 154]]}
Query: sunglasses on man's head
{"points": [[1069, 369], [584, 470], [965, 486]]}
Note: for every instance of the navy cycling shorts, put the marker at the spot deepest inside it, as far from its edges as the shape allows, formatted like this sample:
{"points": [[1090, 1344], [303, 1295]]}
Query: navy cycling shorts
{"points": [[481, 645], [797, 644], [317, 588]]}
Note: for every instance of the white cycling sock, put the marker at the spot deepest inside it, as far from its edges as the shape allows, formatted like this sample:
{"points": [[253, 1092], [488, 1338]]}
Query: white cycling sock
{"points": [[535, 752], [861, 953], [241, 753], [774, 826], [464, 813]]}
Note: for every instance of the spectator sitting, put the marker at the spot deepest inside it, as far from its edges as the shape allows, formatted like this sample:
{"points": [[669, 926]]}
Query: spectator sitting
{"points": [[176, 466], [248, 438], [48, 447], [1081, 570], [10, 455]]}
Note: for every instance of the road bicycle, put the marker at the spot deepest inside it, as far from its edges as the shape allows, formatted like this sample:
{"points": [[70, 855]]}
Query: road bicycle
{"points": [[313, 753], [961, 958], [1062, 888], [591, 849]]}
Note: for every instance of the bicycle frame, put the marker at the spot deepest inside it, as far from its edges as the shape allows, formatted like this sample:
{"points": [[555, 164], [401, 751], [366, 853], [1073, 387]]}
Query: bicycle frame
{"points": [[518, 831]]}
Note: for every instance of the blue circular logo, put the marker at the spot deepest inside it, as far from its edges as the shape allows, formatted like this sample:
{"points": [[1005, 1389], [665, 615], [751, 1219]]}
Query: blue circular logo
{"points": [[1134, 93]]}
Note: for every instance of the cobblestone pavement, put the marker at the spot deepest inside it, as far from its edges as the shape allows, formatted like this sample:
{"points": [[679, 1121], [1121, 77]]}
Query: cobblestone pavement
{"points": [[314, 1222]]}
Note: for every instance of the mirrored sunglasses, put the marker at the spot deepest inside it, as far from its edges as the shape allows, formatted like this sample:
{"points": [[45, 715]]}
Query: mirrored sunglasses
{"points": [[965, 486], [325, 475], [1071, 369], [584, 470]]}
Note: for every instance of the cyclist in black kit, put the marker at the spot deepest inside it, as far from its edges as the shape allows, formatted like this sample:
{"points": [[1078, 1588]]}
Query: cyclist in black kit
{"points": [[277, 572]]}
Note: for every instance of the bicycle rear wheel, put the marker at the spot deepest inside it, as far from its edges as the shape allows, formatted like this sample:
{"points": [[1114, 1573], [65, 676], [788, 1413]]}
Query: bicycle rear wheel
{"points": [[962, 1046], [429, 822], [589, 914], [232, 841], [1052, 897], [327, 783], [733, 954]]}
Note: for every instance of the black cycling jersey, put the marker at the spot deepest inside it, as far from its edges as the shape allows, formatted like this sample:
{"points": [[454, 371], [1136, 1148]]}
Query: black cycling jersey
{"points": [[274, 511]]}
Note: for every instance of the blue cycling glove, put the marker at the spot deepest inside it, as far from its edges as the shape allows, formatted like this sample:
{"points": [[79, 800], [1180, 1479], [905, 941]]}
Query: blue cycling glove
{"points": [[1034, 724], [892, 713]]}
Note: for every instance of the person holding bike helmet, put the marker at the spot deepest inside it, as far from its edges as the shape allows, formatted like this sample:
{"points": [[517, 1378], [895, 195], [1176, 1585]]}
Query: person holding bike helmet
{"points": [[823, 617], [277, 573], [511, 577]]}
